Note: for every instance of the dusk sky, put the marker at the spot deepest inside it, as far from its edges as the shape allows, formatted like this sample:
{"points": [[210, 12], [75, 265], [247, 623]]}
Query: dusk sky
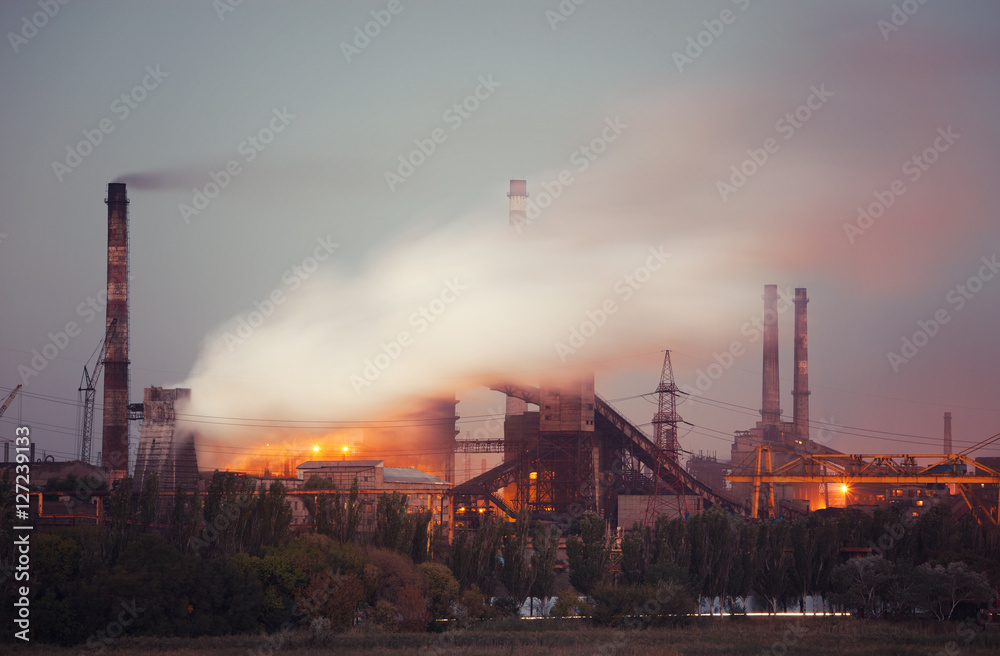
{"points": [[681, 154]]}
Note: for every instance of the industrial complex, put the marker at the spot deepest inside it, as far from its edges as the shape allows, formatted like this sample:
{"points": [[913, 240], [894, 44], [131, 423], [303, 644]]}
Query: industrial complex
{"points": [[565, 449]]}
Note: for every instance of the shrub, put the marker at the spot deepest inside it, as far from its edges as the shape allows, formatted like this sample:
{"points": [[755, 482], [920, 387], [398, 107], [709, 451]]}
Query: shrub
{"points": [[472, 607], [332, 597], [412, 607], [442, 589], [385, 616], [392, 573]]}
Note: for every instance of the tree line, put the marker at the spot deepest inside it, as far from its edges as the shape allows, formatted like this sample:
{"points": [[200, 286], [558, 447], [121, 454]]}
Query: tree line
{"points": [[228, 562]]}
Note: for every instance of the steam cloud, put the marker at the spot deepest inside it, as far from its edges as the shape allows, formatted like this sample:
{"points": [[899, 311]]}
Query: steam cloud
{"points": [[460, 307]]}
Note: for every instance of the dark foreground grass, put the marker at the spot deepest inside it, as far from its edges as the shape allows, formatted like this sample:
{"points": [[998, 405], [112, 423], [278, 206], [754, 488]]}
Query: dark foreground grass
{"points": [[750, 636]]}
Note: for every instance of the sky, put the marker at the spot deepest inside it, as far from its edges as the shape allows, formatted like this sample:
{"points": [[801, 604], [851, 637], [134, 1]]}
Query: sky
{"points": [[336, 174]]}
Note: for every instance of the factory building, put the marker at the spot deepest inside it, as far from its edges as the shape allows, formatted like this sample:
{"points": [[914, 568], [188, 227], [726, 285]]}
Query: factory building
{"points": [[566, 449], [165, 449]]}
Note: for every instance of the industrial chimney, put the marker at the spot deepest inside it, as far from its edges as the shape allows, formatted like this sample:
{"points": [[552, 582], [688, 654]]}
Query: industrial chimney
{"points": [[518, 222], [770, 409], [114, 443], [947, 433], [518, 205], [800, 385]]}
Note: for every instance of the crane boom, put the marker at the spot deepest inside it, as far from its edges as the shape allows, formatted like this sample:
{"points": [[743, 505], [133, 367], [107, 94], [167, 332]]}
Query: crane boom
{"points": [[88, 385], [10, 399]]}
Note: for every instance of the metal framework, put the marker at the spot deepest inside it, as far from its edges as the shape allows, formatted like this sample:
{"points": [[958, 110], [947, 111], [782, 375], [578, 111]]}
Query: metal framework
{"points": [[666, 418], [850, 469], [665, 435], [631, 455], [88, 386], [479, 446], [10, 399]]}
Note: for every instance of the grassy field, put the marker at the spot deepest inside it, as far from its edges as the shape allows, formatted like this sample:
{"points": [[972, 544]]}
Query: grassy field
{"points": [[813, 636]]}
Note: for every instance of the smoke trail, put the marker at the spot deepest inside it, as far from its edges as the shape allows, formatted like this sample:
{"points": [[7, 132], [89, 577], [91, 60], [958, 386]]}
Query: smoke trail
{"points": [[164, 179], [459, 307]]}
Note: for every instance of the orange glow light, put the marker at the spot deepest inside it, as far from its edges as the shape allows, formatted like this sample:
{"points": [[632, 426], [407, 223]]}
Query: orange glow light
{"points": [[316, 449], [844, 488]]}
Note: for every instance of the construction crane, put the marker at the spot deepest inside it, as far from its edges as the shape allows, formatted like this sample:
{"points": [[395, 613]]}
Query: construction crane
{"points": [[10, 399], [88, 385]]}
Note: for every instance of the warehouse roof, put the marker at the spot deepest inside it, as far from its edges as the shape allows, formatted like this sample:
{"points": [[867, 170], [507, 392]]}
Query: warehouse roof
{"points": [[409, 475], [339, 464]]}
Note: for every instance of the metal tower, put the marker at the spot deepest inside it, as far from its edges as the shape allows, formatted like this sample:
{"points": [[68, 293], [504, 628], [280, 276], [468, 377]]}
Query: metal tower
{"points": [[666, 419], [665, 437]]}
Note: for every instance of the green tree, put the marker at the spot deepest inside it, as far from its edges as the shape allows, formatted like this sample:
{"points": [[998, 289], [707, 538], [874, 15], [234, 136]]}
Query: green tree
{"points": [[390, 521], [933, 535], [637, 551], [334, 515], [773, 563], [861, 583], [184, 517], [442, 589], [516, 572], [588, 554], [671, 557], [334, 597], [417, 532], [942, 589], [545, 545], [475, 557], [712, 534], [744, 566], [268, 519], [228, 526], [814, 553], [117, 530], [347, 516]]}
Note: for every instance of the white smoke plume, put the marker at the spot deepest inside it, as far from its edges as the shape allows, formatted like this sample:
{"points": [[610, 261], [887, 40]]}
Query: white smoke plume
{"points": [[453, 309]]}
